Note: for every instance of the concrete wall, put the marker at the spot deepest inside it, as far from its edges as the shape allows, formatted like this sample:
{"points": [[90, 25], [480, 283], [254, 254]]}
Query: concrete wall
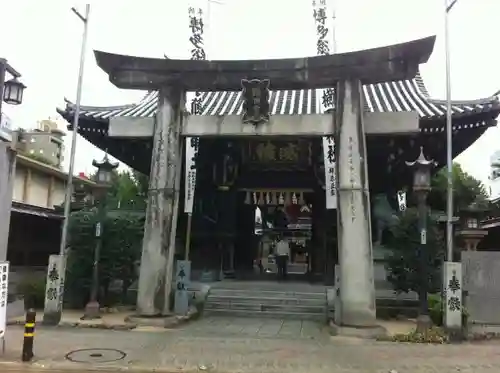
{"points": [[35, 188], [39, 185], [481, 282]]}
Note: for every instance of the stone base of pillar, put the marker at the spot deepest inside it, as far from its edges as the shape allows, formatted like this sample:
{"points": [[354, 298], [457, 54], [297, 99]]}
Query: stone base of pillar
{"points": [[158, 321], [370, 332], [424, 322], [92, 311]]}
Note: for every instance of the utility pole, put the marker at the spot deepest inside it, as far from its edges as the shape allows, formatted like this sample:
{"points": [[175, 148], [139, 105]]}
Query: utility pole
{"points": [[57, 264]]}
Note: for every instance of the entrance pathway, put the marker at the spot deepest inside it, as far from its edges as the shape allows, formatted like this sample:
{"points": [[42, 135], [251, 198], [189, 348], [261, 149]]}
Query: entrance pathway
{"points": [[196, 348], [255, 328]]}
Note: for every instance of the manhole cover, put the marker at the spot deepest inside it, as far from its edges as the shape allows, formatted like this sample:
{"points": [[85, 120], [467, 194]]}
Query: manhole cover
{"points": [[95, 355]]}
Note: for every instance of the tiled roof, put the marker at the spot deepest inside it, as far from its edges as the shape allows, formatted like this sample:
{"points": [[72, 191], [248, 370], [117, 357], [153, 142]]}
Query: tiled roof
{"points": [[407, 95]]}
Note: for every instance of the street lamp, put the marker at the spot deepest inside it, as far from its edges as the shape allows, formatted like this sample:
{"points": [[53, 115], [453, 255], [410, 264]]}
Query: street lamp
{"points": [[421, 187], [103, 178], [13, 92]]}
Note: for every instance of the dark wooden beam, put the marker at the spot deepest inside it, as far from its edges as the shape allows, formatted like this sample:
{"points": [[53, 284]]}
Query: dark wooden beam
{"points": [[394, 62]]}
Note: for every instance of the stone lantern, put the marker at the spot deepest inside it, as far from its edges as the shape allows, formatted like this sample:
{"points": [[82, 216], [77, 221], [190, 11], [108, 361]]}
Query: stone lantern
{"points": [[421, 187], [103, 179], [470, 231]]}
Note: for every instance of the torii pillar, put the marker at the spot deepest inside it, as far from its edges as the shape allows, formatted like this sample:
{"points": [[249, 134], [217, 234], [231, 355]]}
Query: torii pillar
{"points": [[357, 287]]}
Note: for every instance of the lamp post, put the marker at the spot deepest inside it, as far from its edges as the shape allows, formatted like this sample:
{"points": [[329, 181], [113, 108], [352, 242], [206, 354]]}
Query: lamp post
{"points": [[421, 187], [103, 179], [11, 92]]}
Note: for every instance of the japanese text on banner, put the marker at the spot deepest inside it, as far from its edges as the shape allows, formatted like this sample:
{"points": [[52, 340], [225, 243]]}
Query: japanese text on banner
{"points": [[190, 181], [4, 285], [330, 172], [197, 41]]}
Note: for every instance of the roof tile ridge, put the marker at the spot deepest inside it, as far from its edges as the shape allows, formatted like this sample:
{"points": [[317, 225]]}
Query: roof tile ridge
{"points": [[422, 88], [70, 105], [480, 101]]}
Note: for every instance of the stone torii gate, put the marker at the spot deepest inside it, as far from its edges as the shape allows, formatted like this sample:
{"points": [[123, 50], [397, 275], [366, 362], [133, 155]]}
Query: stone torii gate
{"points": [[346, 72]]}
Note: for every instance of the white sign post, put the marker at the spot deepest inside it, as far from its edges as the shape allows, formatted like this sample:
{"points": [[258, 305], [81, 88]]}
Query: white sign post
{"points": [[330, 172], [4, 292], [182, 283], [53, 294], [453, 296]]}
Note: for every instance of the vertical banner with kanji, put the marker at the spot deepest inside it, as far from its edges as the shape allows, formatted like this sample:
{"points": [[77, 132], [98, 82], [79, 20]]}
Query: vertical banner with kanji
{"points": [[196, 39], [190, 180], [453, 294], [4, 292], [327, 102], [330, 172]]}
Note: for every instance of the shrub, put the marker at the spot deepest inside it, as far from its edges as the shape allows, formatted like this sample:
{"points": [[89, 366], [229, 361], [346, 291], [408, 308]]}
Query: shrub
{"points": [[32, 288], [435, 335], [120, 252], [436, 310]]}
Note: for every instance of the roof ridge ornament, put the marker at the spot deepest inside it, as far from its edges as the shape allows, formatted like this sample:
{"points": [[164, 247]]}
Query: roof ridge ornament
{"points": [[255, 101], [421, 160]]}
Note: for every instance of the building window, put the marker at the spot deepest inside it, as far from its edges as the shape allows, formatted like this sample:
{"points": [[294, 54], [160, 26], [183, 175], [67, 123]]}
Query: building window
{"points": [[32, 140]]}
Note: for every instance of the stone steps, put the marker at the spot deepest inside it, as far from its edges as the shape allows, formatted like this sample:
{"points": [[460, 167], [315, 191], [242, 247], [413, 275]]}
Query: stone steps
{"points": [[266, 295], [268, 314], [262, 306], [267, 300], [283, 304]]}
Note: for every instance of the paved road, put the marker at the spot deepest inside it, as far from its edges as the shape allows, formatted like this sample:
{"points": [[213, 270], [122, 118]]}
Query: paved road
{"points": [[247, 345]]}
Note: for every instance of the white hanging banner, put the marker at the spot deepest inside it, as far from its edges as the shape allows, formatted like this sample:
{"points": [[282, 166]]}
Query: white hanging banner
{"points": [[330, 175], [4, 286], [190, 178]]}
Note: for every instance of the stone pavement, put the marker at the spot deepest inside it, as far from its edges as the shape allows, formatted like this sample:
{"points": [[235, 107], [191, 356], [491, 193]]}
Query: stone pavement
{"points": [[244, 345], [109, 320]]}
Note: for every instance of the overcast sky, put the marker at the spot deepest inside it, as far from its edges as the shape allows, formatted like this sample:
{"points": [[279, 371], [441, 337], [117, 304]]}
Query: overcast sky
{"points": [[42, 40]]}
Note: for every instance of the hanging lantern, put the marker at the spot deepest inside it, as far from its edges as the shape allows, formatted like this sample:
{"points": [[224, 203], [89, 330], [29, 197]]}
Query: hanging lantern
{"points": [[13, 92], [260, 201], [274, 197], [301, 198]]}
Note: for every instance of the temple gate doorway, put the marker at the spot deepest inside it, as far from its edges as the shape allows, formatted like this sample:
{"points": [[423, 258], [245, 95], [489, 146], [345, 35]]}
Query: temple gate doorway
{"points": [[249, 191]]}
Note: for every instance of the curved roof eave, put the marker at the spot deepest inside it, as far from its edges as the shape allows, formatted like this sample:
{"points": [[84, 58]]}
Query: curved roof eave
{"points": [[407, 95]]}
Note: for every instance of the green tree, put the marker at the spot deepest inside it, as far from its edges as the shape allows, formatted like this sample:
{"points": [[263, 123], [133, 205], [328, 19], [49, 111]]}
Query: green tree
{"points": [[123, 186], [128, 187], [466, 190], [142, 183], [120, 252], [403, 263]]}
